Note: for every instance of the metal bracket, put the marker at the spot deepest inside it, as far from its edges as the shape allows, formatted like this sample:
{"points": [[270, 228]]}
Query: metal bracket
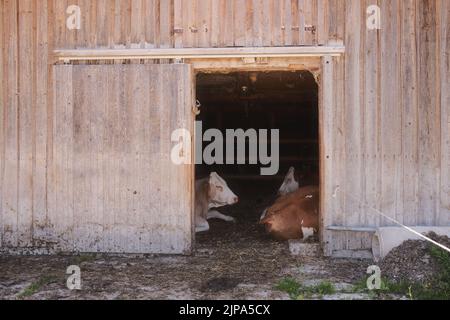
{"points": [[196, 108], [310, 28]]}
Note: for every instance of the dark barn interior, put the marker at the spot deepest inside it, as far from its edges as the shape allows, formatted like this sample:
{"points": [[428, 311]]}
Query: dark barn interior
{"points": [[287, 101]]}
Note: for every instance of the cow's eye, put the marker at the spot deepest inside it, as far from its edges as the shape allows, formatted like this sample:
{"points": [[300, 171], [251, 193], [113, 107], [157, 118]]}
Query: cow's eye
{"points": [[219, 188]]}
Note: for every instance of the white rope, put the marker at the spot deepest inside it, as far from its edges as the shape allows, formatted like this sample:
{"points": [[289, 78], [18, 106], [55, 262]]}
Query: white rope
{"points": [[396, 222]]}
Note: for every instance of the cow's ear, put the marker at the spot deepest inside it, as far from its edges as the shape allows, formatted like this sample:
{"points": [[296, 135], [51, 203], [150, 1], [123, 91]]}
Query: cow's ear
{"points": [[212, 176]]}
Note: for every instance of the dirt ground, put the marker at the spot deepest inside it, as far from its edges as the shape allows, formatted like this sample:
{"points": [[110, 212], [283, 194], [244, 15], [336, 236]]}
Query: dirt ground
{"points": [[237, 261], [411, 262], [231, 261]]}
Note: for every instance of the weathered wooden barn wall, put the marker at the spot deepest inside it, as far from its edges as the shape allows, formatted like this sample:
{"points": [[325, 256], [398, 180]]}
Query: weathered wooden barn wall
{"points": [[391, 119], [194, 23]]}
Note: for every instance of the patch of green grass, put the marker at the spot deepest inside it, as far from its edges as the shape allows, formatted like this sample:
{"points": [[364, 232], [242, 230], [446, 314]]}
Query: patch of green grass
{"points": [[324, 288], [299, 292], [36, 286], [440, 288], [386, 287], [290, 286]]}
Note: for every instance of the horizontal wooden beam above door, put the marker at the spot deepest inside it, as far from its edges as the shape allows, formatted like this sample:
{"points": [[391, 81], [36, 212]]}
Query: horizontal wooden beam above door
{"points": [[198, 53]]}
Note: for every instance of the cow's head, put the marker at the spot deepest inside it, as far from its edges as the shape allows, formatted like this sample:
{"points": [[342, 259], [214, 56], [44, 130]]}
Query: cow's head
{"points": [[219, 192], [290, 183]]}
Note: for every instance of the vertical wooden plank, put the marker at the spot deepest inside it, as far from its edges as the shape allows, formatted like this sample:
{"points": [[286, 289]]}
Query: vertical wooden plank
{"points": [[339, 153], [188, 22], [228, 17], [107, 164], [150, 23], [134, 97], [156, 113], [267, 20], [136, 23], [277, 22], [322, 21], [117, 32], [332, 17], [103, 131], [188, 93], [145, 178], [26, 111], [338, 9], [336, 21], [257, 23], [409, 108], [125, 23], [41, 80], [91, 15], [391, 114], [116, 85], [166, 23], [299, 11], [444, 216], [70, 39], [166, 164], [63, 159], [249, 23], [215, 24], [59, 34], [112, 220], [240, 10], [371, 111], [326, 152], [204, 23], [179, 23], [310, 18], [80, 88], [288, 22], [429, 115], [103, 25], [170, 92], [180, 117], [353, 118]]}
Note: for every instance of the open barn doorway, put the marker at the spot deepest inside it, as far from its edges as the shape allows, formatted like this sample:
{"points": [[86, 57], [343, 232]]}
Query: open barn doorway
{"points": [[283, 100]]}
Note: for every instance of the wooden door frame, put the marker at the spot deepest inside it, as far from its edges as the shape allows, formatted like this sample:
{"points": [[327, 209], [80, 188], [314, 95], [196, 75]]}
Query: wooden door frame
{"points": [[322, 69]]}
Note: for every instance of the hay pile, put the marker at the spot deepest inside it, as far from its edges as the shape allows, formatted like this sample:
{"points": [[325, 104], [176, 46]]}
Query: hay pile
{"points": [[413, 262]]}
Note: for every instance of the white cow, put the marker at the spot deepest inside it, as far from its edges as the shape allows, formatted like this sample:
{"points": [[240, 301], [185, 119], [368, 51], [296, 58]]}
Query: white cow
{"points": [[290, 184], [211, 192]]}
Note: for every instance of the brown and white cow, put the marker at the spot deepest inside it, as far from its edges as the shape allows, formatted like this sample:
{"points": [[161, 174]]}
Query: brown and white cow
{"points": [[294, 216], [211, 192]]}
